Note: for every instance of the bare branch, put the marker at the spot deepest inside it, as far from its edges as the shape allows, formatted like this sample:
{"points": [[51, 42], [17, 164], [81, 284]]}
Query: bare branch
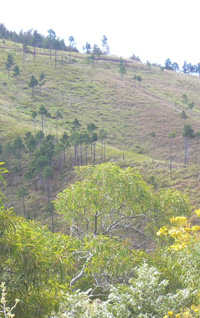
{"points": [[76, 278]]}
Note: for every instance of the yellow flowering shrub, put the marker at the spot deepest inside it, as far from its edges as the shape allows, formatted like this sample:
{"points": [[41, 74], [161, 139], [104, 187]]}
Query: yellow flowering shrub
{"points": [[192, 312], [182, 232]]}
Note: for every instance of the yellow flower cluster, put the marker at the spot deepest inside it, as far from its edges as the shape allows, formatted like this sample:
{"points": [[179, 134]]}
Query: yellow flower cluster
{"points": [[163, 231], [181, 232], [197, 212], [179, 220], [194, 311]]}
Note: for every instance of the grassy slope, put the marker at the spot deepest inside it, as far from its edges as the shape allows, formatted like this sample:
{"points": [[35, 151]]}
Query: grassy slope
{"points": [[127, 110]]}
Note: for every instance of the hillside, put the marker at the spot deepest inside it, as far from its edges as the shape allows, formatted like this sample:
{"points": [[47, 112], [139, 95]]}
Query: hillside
{"points": [[128, 110]]}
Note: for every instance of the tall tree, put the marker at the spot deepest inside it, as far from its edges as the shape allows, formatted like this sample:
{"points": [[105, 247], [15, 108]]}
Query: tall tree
{"points": [[16, 71], [21, 194], [102, 137], [58, 116], [48, 174], [122, 68], [34, 115], [105, 45], [36, 41], [43, 112], [171, 136], [51, 37], [71, 45], [64, 143], [9, 63], [91, 127], [18, 147], [153, 135], [188, 133], [33, 82], [87, 48], [197, 137]]}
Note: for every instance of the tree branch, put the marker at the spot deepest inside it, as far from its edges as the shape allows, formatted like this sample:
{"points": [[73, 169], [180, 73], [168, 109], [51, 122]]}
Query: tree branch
{"points": [[76, 278]]}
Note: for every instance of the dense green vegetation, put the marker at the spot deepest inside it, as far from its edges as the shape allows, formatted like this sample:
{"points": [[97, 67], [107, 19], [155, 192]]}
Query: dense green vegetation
{"points": [[115, 244], [97, 266]]}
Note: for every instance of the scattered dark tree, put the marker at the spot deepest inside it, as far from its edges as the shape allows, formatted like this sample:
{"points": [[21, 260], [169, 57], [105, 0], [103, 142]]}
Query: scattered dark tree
{"points": [[33, 83], [102, 137], [105, 45], [188, 133], [17, 148], [122, 68], [191, 105], [87, 48], [21, 194], [34, 115], [51, 38], [43, 112], [153, 135], [16, 71], [71, 45], [48, 174], [58, 116], [9, 63], [171, 136], [168, 65], [197, 137], [183, 115]]}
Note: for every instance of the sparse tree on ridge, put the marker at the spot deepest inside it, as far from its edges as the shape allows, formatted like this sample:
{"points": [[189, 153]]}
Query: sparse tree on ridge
{"points": [[51, 37], [171, 136], [71, 44], [197, 137], [43, 112], [105, 45], [21, 194], [16, 71], [122, 68], [33, 83], [188, 133], [87, 48], [48, 174], [153, 135], [9, 63]]}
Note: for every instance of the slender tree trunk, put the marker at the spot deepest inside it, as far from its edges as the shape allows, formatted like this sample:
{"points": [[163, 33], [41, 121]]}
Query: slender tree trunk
{"points": [[52, 221], [34, 52], [197, 144], [23, 205], [170, 156], [186, 150], [86, 158], [94, 153], [48, 190]]}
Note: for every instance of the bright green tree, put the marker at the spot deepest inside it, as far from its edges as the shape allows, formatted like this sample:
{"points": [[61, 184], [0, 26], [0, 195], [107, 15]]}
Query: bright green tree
{"points": [[113, 201]]}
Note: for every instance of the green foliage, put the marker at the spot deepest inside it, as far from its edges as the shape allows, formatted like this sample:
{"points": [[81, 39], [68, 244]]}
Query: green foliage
{"points": [[109, 200], [35, 262], [16, 71], [188, 132], [33, 82], [145, 296]]}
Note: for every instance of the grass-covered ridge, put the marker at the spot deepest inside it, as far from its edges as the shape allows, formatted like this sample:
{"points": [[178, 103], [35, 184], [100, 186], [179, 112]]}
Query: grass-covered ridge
{"points": [[128, 110]]}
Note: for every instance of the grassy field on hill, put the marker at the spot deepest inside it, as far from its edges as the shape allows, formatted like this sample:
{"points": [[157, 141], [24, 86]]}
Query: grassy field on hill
{"points": [[128, 110]]}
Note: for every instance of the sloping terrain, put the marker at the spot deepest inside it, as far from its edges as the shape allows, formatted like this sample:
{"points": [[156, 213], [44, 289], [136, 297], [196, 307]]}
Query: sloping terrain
{"points": [[127, 109]]}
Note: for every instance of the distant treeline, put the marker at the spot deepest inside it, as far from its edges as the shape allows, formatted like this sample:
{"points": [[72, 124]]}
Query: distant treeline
{"points": [[187, 68], [35, 39]]}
